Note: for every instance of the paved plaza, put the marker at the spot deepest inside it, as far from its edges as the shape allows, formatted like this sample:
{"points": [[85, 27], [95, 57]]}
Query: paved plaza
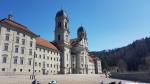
{"points": [[61, 79]]}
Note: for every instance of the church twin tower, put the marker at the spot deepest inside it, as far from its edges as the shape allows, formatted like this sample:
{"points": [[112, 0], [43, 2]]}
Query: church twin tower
{"points": [[63, 41], [65, 44]]}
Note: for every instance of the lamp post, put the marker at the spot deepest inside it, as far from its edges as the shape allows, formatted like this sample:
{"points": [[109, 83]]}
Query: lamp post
{"points": [[33, 74]]}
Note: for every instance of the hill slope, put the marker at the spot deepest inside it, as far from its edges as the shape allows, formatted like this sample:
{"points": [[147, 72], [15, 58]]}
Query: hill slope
{"points": [[133, 57]]}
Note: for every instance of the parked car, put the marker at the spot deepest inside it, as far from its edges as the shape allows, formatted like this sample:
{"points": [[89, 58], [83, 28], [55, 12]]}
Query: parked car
{"points": [[53, 82]]}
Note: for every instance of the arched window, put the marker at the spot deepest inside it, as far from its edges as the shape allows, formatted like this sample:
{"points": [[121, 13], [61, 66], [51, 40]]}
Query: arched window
{"points": [[15, 59], [4, 58], [59, 24]]}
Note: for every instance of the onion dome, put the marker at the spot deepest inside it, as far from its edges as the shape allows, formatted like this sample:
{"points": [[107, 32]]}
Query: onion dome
{"points": [[81, 29], [81, 32], [61, 13]]}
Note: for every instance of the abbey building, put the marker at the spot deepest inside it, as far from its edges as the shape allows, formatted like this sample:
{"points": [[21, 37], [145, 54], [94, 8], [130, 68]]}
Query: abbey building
{"points": [[24, 52]]}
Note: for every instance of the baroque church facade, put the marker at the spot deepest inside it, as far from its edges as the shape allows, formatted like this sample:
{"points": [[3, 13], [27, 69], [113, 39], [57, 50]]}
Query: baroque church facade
{"points": [[24, 52]]}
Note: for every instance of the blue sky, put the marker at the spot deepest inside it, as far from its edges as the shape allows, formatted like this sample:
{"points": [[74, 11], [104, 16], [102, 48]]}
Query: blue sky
{"points": [[109, 23]]}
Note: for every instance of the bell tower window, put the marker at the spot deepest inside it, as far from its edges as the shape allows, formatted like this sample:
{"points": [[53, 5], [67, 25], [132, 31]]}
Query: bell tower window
{"points": [[58, 37], [59, 24]]}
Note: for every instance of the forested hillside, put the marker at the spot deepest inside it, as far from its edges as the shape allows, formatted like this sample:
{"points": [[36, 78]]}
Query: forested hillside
{"points": [[133, 57]]}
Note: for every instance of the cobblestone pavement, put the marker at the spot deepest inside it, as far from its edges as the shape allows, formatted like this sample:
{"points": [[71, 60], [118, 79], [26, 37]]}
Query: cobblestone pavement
{"points": [[61, 79]]}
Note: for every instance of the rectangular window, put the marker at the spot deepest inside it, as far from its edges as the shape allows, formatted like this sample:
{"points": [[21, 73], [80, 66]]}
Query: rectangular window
{"points": [[39, 64], [7, 37], [22, 50], [35, 56], [44, 64], [30, 51], [4, 59], [43, 56], [30, 43], [35, 63], [16, 49], [23, 41], [57, 58], [21, 60], [29, 61], [47, 65], [6, 47], [39, 56], [17, 39], [15, 60]]}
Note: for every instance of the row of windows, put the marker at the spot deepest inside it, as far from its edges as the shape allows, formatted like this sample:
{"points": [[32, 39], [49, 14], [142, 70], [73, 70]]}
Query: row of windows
{"points": [[18, 33], [44, 57], [48, 51], [59, 24], [21, 70], [7, 38], [29, 70], [6, 47], [46, 71], [15, 60], [8, 30], [48, 65]]}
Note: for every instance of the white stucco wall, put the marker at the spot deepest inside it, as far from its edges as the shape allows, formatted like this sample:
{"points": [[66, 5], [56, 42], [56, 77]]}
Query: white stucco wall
{"points": [[52, 58], [11, 54]]}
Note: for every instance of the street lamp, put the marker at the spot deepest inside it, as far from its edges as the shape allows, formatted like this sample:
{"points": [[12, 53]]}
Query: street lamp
{"points": [[33, 74]]}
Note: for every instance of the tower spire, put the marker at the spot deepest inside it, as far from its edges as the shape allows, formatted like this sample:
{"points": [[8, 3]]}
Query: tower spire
{"points": [[61, 7]]}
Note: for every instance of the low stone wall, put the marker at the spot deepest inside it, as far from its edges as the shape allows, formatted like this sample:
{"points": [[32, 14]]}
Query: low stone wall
{"points": [[133, 76]]}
